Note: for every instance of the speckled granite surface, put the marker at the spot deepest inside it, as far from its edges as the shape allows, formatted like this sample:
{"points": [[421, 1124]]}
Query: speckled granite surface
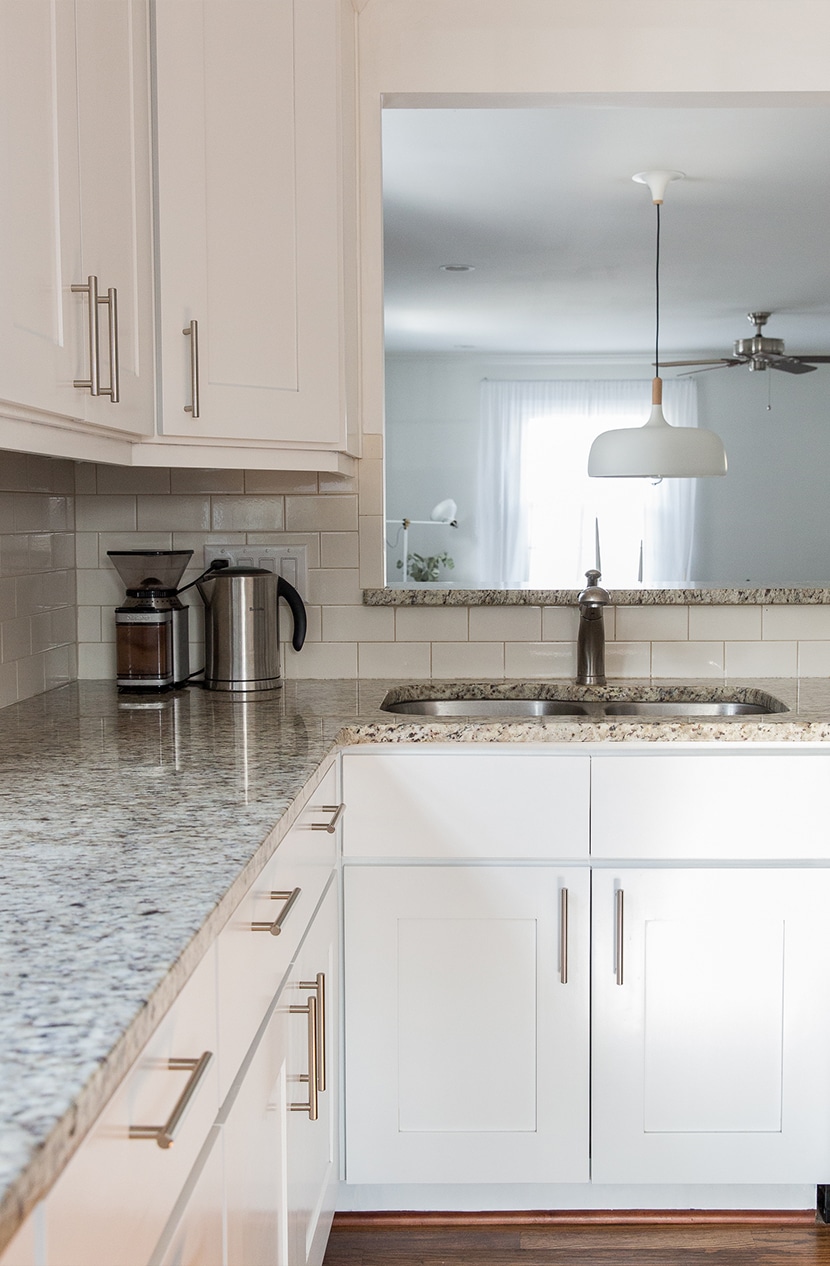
{"points": [[129, 829], [429, 596]]}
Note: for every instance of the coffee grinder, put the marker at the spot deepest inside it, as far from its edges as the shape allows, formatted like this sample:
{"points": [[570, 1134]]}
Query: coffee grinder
{"points": [[151, 627]]}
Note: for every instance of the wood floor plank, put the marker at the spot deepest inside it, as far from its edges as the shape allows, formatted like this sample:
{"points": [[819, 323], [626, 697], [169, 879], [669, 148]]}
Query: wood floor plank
{"points": [[585, 1246]]}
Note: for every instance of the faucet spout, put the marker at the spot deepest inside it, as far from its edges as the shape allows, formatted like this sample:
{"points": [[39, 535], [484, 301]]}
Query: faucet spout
{"points": [[590, 643]]}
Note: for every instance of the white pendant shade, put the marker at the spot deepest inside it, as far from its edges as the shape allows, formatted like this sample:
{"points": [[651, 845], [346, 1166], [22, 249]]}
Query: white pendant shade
{"points": [[656, 450]]}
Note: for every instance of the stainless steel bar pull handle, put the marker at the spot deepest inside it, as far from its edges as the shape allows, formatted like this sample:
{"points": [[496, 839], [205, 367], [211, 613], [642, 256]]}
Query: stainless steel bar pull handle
{"points": [[93, 383], [193, 331], [619, 898], [563, 936], [338, 810], [165, 1135], [319, 987], [276, 926], [312, 1106], [114, 389]]}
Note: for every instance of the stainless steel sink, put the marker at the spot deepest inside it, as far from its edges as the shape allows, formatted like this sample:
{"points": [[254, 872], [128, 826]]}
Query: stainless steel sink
{"points": [[686, 708], [614, 702], [488, 707]]}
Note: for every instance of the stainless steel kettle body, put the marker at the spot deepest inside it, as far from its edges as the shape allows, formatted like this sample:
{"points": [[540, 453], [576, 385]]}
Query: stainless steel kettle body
{"points": [[242, 639]]}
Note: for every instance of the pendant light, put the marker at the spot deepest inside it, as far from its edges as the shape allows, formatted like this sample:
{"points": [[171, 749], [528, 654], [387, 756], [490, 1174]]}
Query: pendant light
{"points": [[656, 450]]}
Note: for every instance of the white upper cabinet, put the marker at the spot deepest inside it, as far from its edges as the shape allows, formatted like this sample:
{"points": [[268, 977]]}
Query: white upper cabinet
{"points": [[112, 42], [251, 253], [76, 204], [39, 217]]}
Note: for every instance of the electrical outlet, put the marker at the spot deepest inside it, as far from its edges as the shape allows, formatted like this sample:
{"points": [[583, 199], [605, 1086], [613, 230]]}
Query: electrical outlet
{"points": [[288, 561]]}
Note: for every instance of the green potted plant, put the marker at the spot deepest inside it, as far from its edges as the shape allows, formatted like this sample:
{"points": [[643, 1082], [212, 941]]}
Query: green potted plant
{"points": [[422, 567]]}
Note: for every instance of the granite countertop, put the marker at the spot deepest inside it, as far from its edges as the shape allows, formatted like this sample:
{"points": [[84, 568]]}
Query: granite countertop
{"points": [[131, 826]]}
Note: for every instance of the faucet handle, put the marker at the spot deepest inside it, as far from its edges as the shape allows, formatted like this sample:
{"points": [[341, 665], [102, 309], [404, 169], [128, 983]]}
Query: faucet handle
{"points": [[593, 594]]}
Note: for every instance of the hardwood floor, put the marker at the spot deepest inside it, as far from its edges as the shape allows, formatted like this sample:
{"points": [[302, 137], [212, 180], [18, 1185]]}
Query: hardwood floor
{"points": [[582, 1246]]}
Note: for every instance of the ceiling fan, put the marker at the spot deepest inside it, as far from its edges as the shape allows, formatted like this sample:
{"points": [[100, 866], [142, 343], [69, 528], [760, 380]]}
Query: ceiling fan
{"points": [[757, 353]]}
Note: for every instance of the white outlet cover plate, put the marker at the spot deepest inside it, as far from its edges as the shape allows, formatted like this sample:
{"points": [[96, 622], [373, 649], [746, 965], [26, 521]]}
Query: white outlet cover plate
{"points": [[288, 561]]}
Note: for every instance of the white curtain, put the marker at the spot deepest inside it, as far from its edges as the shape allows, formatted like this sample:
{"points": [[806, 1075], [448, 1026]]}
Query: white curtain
{"points": [[537, 507]]}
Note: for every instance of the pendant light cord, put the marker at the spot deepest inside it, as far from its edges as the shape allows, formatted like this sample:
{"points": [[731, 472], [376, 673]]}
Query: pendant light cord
{"points": [[657, 298]]}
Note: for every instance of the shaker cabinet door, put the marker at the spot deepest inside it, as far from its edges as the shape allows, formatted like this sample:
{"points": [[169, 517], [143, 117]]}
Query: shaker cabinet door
{"points": [[112, 51], [76, 204], [250, 265], [709, 1037], [40, 255], [467, 998]]}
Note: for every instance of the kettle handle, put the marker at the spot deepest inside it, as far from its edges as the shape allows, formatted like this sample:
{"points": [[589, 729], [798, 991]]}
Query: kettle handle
{"points": [[295, 602]]}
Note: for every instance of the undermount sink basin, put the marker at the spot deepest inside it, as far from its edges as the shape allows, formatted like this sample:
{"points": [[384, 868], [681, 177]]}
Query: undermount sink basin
{"points": [[607, 703]]}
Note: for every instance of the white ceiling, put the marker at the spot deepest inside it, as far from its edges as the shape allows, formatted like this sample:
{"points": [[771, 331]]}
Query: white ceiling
{"points": [[542, 204]]}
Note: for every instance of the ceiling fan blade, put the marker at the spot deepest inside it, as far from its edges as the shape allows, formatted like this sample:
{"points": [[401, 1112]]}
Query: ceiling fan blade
{"points": [[790, 365], [707, 367], [720, 360], [813, 360]]}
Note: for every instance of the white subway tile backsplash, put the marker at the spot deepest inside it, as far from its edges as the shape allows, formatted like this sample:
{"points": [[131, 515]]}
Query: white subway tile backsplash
{"points": [[786, 623], [713, 624], [814, 659], [322, 659], [99, 587], [650, 624], [56, 516], [89, 624], [761, 659], [321, 514], [394, 659], [106, 514], [332, 586], [132, 479], [247, 514], [503, 624], [279, 481], [560, 624], [31, 676], [16, 638], [174, 514], [371, 537], [339, 549], [190, 481], [628, 659], [687, 659], [358, 624], [539, 659], [463, 661], [431, 624]]}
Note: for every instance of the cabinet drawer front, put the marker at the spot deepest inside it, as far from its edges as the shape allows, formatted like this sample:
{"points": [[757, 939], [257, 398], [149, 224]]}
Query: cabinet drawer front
{"points": [[126, 1187], [462, 804], [704, 805], [252, 961]]}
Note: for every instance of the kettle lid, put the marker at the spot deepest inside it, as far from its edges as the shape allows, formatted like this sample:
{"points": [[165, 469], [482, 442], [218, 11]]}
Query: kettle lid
{"points": [[240, 571]]}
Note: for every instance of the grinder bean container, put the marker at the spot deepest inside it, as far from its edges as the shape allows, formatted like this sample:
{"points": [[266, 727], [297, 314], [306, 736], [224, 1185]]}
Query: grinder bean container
{"points": [[242, 637]]}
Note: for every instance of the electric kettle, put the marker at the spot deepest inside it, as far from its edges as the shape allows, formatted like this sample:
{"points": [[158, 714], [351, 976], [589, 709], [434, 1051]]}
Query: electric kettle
{"points": [[242, 638]]}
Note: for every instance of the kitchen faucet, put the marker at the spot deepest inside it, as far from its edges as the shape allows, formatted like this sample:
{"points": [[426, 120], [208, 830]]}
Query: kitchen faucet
{"points": [[590, 642]]}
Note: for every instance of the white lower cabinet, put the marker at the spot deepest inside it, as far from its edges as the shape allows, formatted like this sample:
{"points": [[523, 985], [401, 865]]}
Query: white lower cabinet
{"points": [[196, 1236], [709, 1043], [114, 1197], [313, 1061], [280, 1124], [694, 974], [467, 1024]]}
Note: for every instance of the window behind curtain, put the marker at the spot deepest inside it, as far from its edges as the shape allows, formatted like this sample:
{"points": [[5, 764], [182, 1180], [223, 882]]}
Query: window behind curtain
{"points": [[537, 506]]}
